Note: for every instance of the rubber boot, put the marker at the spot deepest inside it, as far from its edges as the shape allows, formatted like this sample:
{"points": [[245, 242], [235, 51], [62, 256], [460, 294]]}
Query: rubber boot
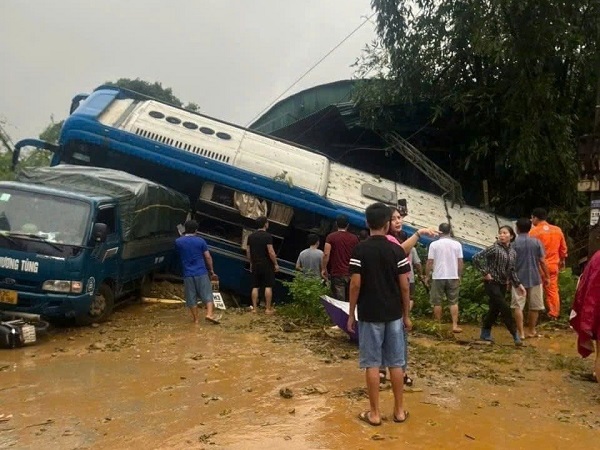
{"points": [[518, 341], [486, 335]]}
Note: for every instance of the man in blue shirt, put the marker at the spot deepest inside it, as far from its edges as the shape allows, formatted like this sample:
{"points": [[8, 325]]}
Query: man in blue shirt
{"points": [[197, 270], [529, 264]]}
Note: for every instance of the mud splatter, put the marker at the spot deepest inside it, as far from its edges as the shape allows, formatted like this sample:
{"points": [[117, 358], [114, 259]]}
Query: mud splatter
{"points": [[150, 379]]}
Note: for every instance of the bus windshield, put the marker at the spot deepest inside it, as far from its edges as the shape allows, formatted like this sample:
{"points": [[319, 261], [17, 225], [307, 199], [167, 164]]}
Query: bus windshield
{"points": [[33, 215]]}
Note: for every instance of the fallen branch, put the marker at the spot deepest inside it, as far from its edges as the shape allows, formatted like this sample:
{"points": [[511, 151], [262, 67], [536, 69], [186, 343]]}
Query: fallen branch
{"points": [[47, 422], [163, 300]]}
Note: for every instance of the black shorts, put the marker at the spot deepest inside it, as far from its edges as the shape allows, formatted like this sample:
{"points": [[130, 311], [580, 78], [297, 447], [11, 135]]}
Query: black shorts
{"points": [[263, 276]]}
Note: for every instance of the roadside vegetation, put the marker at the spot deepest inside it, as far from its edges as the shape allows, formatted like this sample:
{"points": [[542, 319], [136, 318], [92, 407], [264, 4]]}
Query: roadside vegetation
{"points": [[304, 306], [51, 133]]}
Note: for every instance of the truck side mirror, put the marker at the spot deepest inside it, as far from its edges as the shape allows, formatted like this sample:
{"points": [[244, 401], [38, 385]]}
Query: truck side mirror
{"points": [[99, 233]]}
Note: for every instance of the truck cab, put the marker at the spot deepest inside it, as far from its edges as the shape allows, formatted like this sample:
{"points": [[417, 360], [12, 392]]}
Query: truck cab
{"points": [[63, 255]]}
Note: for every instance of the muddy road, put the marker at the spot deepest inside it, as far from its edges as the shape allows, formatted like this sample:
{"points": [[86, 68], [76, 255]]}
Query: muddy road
{"points": [[151, 379]]}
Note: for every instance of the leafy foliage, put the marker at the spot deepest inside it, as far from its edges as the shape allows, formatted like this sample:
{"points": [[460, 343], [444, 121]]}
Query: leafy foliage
{"points": [[567, 285], [305, 307], [30, 159], [52, 132], [38, 158], [154, 90], [473, 301], [510, 84]]}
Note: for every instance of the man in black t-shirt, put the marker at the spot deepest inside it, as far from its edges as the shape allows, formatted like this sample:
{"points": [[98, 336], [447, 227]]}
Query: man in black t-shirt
{"points": [[379, 286], [263, 263]]}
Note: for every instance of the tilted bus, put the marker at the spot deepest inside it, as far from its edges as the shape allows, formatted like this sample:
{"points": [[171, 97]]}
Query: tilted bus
{"points": [[233, 175]]}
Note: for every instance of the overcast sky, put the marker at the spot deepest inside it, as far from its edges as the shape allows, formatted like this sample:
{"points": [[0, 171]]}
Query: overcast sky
{"points": [[231, 57]]}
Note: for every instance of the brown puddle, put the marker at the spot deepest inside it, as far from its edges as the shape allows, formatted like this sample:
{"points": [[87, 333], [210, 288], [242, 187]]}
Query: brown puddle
{"points": [[149, 379]]}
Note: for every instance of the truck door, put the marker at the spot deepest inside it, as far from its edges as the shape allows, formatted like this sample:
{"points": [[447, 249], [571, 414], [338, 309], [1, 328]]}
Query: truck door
{"points": [[108, 252]]}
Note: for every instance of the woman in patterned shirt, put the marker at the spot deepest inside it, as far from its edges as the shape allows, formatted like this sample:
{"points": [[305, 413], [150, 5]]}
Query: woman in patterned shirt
{"points": [[497, 264]]}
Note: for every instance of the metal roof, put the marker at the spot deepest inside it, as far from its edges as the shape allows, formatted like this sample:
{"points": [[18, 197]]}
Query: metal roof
{"points": [[306, 103]]}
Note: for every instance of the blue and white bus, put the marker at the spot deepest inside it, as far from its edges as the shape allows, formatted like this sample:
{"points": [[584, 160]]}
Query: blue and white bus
{"points": [[233, 175]]}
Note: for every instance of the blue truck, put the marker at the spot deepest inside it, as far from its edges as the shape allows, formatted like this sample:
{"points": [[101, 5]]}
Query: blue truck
{"points": [[75, 240]]}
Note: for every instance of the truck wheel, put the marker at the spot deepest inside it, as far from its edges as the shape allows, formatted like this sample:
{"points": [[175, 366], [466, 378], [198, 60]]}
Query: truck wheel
{"points": [[100, 308]]}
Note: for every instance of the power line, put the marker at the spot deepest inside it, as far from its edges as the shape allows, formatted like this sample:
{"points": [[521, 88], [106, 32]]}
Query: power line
{"points": [[311, 69]]}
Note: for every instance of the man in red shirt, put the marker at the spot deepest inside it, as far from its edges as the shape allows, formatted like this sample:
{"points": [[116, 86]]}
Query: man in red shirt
{"points": [[336, 258], [555, 248]]}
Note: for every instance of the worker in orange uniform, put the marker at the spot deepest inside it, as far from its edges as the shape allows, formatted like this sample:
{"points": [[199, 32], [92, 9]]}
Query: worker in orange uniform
{"points": [[553, 240]]}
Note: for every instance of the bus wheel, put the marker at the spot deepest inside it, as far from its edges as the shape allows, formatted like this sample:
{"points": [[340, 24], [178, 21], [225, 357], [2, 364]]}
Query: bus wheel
{"points": [[100, 308]]}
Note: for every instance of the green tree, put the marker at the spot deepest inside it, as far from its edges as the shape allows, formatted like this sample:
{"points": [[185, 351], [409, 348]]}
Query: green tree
{"points": [[193, 107], [154, 90], [52, 132], [510, 83]]}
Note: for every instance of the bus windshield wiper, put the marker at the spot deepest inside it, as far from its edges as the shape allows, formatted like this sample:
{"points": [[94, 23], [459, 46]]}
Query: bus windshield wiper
{"points": [[37, 238]]}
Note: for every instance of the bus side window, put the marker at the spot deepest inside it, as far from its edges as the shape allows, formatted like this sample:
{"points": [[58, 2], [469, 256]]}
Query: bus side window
{"points": [[107, 216], [223, 196]]}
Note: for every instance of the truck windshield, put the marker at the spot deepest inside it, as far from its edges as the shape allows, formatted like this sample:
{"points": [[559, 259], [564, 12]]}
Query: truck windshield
{"points": [[32, 215]]}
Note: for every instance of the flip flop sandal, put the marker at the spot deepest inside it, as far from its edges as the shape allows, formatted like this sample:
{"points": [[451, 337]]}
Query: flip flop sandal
{"points": [[403, 420], [408, 381], [212, 320], [382, 376], [364, 416]]}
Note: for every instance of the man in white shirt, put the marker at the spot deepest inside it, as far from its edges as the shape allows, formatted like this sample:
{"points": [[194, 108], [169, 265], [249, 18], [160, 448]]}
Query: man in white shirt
{"points": [[445, 260]]}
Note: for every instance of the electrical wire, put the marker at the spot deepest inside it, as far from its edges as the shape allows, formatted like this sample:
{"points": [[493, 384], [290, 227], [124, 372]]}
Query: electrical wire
{"points": [[310, 69]]}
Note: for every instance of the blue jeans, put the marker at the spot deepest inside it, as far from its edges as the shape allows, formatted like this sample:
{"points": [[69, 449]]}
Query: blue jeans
{"points": [[381, 344]]}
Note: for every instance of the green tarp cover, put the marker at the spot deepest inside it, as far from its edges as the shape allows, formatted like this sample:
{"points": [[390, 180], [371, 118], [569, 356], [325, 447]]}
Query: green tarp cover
{"points": [[146, 208]]}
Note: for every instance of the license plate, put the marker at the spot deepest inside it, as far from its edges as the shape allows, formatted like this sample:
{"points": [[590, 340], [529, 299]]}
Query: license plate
{"points": [[8, 296]]}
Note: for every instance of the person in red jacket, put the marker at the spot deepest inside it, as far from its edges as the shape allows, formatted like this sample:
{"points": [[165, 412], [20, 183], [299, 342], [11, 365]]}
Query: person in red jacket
{"points": [[585, 313], [555, 248]]}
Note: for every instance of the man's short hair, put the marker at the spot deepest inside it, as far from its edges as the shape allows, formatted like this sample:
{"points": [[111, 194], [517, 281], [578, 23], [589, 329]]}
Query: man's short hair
{"points": [[261, 221], [312, 239], [523, 225], [190, 226], [378, 215], [445, 228], [341, 221], [539, 213]]}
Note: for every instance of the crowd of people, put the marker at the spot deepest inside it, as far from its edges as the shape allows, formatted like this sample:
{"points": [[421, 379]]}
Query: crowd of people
{"points": [[375, 273]]}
